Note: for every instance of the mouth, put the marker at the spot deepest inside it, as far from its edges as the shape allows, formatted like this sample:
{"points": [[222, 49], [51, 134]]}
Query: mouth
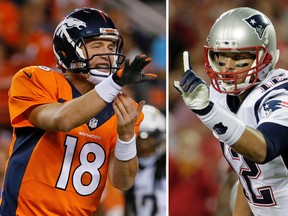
{"points": [[104, 67], [232, 81], [229, 79], [228, 82]]}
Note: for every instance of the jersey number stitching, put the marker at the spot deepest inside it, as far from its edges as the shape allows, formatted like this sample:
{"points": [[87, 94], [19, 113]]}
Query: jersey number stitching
{"points": [[253, 171], [86, 167]]}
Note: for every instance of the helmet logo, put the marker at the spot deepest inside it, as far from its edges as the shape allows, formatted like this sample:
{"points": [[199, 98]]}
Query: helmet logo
{"points": [[69, 23], [258, 22]]}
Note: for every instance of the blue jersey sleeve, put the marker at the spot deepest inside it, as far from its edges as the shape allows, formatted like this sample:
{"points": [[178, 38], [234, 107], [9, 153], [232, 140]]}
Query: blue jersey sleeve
{"points": [[276, 139]]}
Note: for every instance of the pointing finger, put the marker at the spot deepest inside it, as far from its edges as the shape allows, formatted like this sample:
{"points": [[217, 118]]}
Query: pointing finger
{"points": [[186, 61]]}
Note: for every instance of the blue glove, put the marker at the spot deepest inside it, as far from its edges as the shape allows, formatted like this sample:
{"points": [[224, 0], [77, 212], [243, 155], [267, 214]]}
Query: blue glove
{"points": [[193, 89]]}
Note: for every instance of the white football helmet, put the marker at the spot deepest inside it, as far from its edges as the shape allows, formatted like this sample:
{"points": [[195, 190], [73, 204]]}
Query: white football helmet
{"points": [[154, 122], [241, 30], [152, 133]]}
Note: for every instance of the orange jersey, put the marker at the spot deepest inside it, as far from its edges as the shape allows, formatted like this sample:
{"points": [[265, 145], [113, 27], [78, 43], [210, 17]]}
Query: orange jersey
{"points": [[52, 172]]}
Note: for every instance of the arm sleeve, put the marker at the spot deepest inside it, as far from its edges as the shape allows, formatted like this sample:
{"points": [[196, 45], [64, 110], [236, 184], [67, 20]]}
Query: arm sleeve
{"points": [[30, 87], [276, 139]]}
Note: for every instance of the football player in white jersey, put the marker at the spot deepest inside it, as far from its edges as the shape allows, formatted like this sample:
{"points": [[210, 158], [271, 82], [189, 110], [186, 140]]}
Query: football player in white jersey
{"points": [[246, 107], [148, 195]]}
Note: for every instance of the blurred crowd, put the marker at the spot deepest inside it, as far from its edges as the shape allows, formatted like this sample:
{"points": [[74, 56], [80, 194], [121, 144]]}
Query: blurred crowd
{"points": [[26, 33], [197, 168]]}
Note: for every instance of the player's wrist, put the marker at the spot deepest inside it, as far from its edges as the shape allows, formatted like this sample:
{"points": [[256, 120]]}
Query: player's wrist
{"points": [[125, 150], [225, 125], [108, 89], [205, 110]]}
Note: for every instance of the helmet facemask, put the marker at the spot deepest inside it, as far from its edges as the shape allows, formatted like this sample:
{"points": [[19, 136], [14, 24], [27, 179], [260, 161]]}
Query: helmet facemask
{"points": [[241, 30], [236, 82], [83, 64]]}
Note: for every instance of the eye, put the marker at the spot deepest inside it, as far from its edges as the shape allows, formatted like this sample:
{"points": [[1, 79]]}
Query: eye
{"points": [[112, 48], [244, 64], [95, 46], [221, 64]]}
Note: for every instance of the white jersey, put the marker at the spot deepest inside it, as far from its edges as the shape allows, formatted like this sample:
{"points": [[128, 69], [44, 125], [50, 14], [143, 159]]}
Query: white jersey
{"points": [[265, 185], [148, 195]]}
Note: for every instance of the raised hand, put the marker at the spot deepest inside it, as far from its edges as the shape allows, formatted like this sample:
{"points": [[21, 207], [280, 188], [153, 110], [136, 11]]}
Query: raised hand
{"points": [[193, 89], [131, 73], [127, 114]]}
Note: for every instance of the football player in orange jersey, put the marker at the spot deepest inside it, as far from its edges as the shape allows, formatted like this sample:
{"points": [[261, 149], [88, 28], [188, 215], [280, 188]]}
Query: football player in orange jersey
{"points": [[73, 129]]}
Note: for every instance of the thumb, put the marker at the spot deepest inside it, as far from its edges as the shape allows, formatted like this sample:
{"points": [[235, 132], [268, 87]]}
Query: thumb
{"points": [[178, 87], [140, 106]]}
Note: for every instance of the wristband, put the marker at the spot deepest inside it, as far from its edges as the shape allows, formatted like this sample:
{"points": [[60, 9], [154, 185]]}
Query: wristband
{"points": [[225, 125], [108, 89], [125, 151]]}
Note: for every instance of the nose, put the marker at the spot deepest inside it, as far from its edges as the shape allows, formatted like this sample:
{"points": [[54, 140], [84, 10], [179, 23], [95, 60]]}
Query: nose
{"points": [[107, 49], [230, 64], [103, 56]]}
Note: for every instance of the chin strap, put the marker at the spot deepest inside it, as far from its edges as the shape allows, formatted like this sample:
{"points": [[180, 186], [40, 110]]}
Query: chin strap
{"points": [[96, 76]]}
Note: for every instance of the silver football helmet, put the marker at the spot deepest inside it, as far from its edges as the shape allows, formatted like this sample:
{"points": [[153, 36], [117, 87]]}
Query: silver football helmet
{"points": [[241, 30]]}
